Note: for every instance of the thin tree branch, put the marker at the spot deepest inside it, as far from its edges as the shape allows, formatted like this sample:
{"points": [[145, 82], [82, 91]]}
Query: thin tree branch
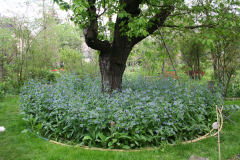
{"points": [[105, 9], [164, 44], [190, 27], [157, 20]]}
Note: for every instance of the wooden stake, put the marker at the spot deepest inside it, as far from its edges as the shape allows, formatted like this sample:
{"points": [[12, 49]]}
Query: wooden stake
{"points": [[218, 134], [165, 46], [112, 126]]}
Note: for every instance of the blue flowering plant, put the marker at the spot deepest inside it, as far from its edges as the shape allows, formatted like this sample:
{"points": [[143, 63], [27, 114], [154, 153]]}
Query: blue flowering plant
{"points": [[145, 113]]}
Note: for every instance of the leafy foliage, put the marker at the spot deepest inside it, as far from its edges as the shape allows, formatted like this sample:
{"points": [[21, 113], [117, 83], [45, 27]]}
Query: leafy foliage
{"points": [[30, 49], [225, 56], [71, 58], [234, 87], [194, 14], [193, 55], [145, 113], [136, 20], [73, 62], [149, 58], [69, 36]]}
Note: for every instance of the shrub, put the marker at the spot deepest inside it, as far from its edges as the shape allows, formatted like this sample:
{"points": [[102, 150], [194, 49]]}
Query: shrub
{"points": [[145, 113], [234, 87]]}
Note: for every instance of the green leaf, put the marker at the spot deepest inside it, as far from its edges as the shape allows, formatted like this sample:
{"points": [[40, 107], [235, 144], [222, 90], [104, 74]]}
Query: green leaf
{"points": [[89, 144], [132, 145], [103, 138], [25, 119], [118, 144], [143, 138], [204, 41], [150, 131], [137, 143], [124, 136], [110, 144], [87, 138], [175, 128], [126, 147], [108, 138], [114, 140], [196, 41], [24, 131], [145, 33]]}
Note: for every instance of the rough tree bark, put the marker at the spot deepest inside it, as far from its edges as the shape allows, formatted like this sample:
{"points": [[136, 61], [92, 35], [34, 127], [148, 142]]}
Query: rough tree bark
{"points": [[113, 56]]}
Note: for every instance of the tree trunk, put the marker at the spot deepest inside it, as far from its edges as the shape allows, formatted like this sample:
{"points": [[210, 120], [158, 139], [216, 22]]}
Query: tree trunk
{"points": [[112, 66], [2, 71], [198, 58], [226, 88], [163, 67]]}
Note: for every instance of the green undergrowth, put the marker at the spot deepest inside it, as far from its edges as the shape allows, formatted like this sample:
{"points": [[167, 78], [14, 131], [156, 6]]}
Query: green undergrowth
{"points": [[15, 143]]}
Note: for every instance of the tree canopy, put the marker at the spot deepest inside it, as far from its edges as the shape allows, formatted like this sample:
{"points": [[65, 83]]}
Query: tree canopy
{"points": [[140, 18], [137, 19]]}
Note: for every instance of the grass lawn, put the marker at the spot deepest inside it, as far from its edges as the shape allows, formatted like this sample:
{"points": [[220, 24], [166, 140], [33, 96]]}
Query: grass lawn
{"points": [[17, 145]]}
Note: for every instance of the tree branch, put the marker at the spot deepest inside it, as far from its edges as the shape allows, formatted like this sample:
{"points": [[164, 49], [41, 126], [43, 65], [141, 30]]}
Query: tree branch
{"points": [[165, 46], [105, 9], [92, 41], [91, 32], [132, 8], [157, 20], [190, 27]]}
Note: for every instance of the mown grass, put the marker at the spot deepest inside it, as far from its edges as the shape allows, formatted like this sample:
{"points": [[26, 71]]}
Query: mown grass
{"points": [[17, 145]]}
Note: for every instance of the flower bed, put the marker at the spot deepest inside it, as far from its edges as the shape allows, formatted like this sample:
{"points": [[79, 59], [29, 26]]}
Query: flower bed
{"points": [[144, 113]]}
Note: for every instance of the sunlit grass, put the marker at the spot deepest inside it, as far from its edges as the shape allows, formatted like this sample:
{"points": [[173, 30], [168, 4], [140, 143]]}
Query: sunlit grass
{"points": [[17, 145]]}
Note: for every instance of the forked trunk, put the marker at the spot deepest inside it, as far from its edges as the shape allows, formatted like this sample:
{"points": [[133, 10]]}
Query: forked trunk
{"points": [[114, 54]]}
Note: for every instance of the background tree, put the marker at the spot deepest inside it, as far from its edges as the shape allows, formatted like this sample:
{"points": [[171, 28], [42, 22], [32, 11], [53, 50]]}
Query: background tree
{"points": [[135, 20], [225, 57], [150, 56], [71, 51], [69, 36], [193, 55], [30, 47], [147, 57], [71, 58], [6, 45]]}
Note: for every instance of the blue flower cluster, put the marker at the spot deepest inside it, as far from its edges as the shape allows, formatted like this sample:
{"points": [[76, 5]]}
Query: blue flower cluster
{"points": [[147, 111]]}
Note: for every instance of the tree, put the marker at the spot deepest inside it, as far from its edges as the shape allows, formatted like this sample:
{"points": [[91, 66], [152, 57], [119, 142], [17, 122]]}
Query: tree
{"points": [[226, 55], [69, 36], [193, 55], [71, 58], [28, 48], [6, 45], [135, 20], [151, 56], [146, 56]]}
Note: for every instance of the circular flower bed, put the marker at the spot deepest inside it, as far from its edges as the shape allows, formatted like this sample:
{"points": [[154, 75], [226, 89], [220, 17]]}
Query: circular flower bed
{"points": [[144, 114]]}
